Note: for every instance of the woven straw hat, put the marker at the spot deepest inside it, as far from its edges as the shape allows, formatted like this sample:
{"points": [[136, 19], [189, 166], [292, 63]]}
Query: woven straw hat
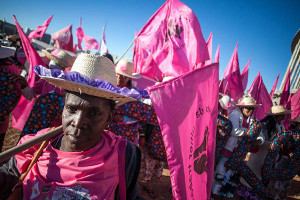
{"points": [[125, 68], [278, 110], [63, 59], [94, 67], [296, 120], [6, 52], [247, 101]]}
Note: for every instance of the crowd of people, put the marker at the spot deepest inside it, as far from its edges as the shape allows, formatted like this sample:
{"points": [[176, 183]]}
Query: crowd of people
{"points": [[110, 127]]}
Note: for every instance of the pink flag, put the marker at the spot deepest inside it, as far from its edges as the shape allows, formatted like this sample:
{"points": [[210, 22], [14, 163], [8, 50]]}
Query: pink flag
{"points": [[295, 104], [259, 92], [274, 87], [285, 93], [40, 30], [23, 109], [233, 76], [174, 38], [63, 39], [209, 48], [244, 75], [217, 55], [287, 117], [90, 43], [103, 49], [80, 35], [189, 129]]}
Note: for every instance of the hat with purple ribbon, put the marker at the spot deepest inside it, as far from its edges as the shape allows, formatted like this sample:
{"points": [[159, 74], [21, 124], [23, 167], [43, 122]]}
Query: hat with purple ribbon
{"points": [[93, 75]]}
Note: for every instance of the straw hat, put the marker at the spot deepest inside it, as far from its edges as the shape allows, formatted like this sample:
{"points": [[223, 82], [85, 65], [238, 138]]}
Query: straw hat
{"points": [[93, 67], [247, 101], [296, 120], [278, 110], [125, 68], [62, 58], [6, 52]]}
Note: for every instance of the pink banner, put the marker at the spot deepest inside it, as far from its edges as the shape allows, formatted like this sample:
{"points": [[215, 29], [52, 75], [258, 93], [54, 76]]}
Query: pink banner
{"points": [[244, 75], [285, 93], [143, 82], [217, 55], [274, 87], [63, 39], [174, 38], [103, 49], [40, 30], [91, 43], [295, 104], [23, 109], [186, 109], [80, 35], [209, 48]]}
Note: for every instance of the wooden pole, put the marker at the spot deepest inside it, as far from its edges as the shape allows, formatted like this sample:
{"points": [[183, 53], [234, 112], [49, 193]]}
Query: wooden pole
{"points": [[126, 51], [36, 140]]}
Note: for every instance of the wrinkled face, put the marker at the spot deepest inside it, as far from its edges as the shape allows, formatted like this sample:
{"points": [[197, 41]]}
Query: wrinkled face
{"points": [[84, 118], [122, 81], [247, 111]]}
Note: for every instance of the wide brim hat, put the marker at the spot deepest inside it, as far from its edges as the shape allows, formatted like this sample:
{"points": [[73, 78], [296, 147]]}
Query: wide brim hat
{"points": [[63, 59], [125, 68], [296, 120], [6, 52], [278, 110], [93, 67], [247, 101]]}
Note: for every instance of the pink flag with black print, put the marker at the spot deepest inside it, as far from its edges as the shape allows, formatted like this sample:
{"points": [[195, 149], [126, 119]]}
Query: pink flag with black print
{"points": [[80, 35], [274, 87], [63, 39], [187, 109], [233, 77], [244, 75], [23, 109], [40, 30], [295, 104], [174, 39], [91, 43]]}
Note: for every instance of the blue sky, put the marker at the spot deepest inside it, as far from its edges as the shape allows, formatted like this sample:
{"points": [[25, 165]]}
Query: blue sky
{"points": [[264, 29]]}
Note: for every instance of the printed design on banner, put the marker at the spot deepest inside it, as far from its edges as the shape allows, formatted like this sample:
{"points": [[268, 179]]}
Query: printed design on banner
{"points": [[200, 161], [173, 30]]}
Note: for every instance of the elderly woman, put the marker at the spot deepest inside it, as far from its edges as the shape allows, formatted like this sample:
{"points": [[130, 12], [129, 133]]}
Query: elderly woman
{"points": [[85, 161]]}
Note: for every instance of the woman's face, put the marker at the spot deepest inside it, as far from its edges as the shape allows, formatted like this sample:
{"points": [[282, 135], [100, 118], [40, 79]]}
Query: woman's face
{"points": [[122, 81], [247, 111]]}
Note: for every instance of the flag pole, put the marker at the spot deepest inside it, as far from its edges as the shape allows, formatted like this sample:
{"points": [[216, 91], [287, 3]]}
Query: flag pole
{"points": [[126, 50]]}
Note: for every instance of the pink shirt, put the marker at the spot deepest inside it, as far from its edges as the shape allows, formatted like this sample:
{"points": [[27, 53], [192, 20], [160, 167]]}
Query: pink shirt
{"points": [[62, 175]]}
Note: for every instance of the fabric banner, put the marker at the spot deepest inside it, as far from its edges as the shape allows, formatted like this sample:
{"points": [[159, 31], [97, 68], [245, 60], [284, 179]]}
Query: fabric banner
{"points": [[91, 43], [173, 37], [40, 30], [103, 48], [187, 109], [80, 35], [295, 104], [23, 109], [244, 75], [285, 93], [217, 55], [274, 87], [63, 39]]}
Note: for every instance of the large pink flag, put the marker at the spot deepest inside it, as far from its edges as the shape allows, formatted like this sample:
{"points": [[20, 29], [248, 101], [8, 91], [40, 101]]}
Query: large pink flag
{"points": [[285, 93], [174, 38], [63, 39], [40, 30], [209, 48], [23, 109], [295, 104], [189, 129], [260, 93], [103, 49], [217, 55], [91, 43], [274, 87], [233, 76], [80, 35], [244, 75]]}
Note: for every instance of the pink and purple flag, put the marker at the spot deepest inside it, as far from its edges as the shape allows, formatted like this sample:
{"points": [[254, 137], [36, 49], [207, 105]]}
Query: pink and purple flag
{"points": [[63, 39], [295, 104], [103, 48], [260, 93], [40, 30], [80, 35], [174, 39], [233, 76], [244, 75], [23, 109], [285, 93], [189, 129], [274, 87]]}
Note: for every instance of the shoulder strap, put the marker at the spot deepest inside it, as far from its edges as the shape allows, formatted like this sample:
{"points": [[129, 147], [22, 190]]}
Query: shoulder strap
{"points": [[121, 161]]}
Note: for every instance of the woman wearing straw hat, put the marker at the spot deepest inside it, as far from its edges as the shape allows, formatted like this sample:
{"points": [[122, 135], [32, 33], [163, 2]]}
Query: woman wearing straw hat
{"points": [[10, 93], [49, 99], [85, 161], [241, 118]]}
